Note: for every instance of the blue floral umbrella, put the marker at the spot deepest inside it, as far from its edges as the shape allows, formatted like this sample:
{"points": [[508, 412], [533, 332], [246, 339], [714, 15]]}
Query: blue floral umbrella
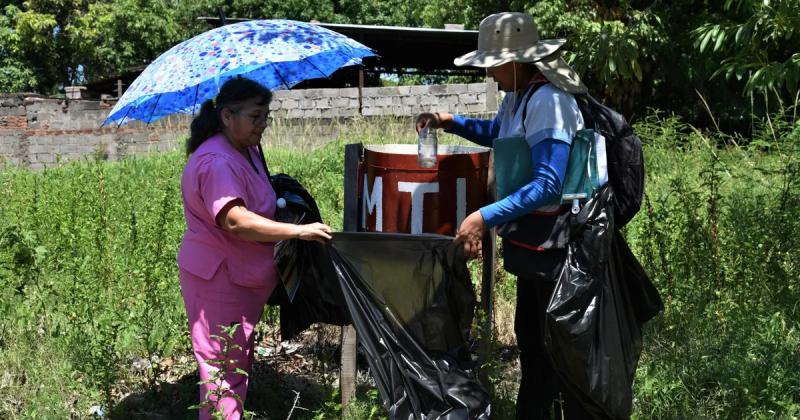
{"points": [[276, 53]]}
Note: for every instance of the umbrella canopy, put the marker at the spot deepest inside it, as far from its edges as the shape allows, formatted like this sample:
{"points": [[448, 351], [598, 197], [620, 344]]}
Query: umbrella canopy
{"points": [[276, 53]]}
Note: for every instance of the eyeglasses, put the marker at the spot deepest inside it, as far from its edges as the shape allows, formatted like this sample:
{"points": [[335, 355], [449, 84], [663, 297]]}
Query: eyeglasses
{"points": [[258, 119]]}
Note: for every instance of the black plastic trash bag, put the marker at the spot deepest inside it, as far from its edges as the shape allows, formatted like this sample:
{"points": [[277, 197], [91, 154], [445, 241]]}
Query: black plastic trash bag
{"points": [[309, 290], [594, 318], [409, 297], [412, 302]]}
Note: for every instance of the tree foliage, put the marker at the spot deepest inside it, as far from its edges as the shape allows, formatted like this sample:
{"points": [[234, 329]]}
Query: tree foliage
{"points": [[614, 47], [632, 53], [757, 42], [52, 43], [110, 37], [14, 75]]}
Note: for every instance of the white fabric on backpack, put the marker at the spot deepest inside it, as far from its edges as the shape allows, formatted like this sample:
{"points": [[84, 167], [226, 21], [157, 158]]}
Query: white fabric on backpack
{"points": [[602, 159]]}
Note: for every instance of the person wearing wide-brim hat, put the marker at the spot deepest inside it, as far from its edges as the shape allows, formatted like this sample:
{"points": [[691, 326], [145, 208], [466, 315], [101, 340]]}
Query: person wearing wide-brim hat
{"points": [[540, 107]]}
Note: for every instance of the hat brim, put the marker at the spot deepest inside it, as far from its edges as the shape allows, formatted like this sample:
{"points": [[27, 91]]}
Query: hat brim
{"points": [[538, 51], [560, 74]]}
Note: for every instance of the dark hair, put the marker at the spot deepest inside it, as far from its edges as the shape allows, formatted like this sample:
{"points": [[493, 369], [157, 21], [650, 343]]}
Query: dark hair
{"points": [[208, 122]]}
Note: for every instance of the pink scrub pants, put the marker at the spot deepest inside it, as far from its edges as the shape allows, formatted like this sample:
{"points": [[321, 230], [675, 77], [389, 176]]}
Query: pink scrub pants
{"points": [[210, 303]]}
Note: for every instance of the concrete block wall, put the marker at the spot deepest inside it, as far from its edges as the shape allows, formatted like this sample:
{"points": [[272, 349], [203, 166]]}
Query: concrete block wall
{"points": [[38, 132], [474, 98]]}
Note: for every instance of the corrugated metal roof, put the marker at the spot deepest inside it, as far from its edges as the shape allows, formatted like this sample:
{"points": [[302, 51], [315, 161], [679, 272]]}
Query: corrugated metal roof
{"points": [[399, 47], [401, 50]]}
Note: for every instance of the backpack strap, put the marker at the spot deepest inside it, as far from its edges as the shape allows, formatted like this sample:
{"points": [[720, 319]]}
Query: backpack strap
{"points": [[263, 160], [587, 104], [524, 104]]}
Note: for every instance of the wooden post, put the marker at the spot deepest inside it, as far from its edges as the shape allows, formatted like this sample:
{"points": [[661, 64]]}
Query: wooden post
{"points": [[360, 89], [119, 88], [222, 20], [348, 369], [489, 250], [352, 157]]}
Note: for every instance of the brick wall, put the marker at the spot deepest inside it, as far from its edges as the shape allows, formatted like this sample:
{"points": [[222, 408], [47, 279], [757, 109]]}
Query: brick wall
{"points": [[37, 131]]}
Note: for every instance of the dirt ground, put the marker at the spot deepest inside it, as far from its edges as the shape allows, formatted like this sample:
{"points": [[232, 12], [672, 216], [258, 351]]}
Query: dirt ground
{"points": [[294, 379]]}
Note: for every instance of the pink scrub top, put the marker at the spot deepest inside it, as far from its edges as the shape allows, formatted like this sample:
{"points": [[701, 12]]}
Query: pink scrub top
{"points": [[216, 174]]}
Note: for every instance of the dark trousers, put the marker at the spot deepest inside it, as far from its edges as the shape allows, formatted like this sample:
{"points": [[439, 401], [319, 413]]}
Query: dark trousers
{"points": [[540, 394]]}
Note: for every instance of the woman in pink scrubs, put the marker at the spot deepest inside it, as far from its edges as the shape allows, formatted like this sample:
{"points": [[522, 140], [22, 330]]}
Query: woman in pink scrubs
{"points": [[227, 270]]}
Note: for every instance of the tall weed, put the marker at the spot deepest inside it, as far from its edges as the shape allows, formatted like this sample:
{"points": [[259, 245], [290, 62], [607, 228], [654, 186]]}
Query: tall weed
{"points": [[718, 234], [90, 302]]}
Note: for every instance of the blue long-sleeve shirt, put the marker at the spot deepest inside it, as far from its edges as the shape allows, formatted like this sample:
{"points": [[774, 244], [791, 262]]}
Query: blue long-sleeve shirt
{"points": [[549, 151]]}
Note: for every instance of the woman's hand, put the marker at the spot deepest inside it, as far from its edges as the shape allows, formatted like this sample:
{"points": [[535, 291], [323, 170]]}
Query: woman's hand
{"points": [[434, 120], [318, 232], [470, 234], [236, 219]]}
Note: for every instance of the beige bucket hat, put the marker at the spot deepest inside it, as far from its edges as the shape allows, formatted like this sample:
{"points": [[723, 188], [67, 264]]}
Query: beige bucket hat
{"points": [[504, 37]]}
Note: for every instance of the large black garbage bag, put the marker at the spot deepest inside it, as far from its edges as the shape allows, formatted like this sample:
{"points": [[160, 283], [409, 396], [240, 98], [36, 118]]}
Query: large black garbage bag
{"points": [[594, 318], [309, 290], [643, 294], [411, 301], [409, 297]]}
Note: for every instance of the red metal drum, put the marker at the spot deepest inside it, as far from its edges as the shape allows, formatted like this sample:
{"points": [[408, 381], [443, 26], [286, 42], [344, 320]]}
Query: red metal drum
{"points": [[397, 195]]}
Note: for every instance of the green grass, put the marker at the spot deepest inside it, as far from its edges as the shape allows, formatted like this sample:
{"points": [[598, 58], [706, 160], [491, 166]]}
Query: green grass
{"points": [[88, 281], [719, 235]]}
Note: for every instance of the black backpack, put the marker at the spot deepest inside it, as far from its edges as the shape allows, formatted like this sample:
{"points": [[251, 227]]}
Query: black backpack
{"points": [[624, 153]]}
